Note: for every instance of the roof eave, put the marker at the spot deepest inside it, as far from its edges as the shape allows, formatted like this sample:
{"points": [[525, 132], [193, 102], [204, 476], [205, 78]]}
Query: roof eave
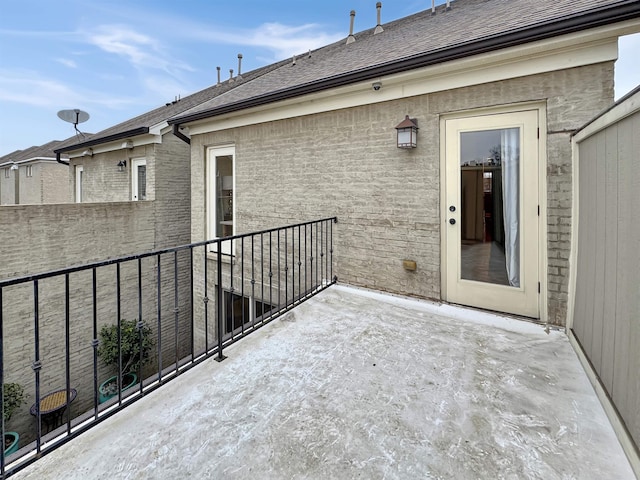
{"points": [[596, 18], [107, 139]]}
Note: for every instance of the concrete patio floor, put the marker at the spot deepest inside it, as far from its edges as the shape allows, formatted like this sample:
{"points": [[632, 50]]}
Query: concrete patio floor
{"points": [[353, 384]]}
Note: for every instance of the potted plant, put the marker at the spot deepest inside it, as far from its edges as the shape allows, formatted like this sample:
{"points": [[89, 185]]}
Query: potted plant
{"points": [[132, 356], [13, 398]]}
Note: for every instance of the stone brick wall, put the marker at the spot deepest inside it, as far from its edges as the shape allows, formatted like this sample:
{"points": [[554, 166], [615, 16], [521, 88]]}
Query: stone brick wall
{"points": [[49, 237], [345, 163]]}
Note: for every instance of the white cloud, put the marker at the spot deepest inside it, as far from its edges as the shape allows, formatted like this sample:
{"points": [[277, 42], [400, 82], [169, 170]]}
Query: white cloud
{"points": [[142, 51], [30, 88], [66, 62], [283, 40]]}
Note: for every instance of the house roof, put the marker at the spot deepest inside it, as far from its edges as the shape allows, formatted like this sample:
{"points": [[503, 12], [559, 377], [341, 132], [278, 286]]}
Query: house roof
{"points": [[42, 152], [142, 123], [470, 27]]}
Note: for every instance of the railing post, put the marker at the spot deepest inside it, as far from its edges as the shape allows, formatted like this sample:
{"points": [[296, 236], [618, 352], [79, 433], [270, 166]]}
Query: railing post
{"points": [[220, 356]]}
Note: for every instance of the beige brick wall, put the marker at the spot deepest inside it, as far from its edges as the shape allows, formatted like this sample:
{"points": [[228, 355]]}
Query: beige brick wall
{"points": [[48, 237], [345, 163]]}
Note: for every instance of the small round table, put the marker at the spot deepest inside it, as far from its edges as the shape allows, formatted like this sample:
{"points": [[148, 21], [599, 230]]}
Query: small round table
{"points": [[52, 406]]}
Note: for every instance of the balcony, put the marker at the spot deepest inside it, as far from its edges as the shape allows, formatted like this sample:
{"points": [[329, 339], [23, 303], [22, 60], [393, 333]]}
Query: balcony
{"points": [[332, 382]]}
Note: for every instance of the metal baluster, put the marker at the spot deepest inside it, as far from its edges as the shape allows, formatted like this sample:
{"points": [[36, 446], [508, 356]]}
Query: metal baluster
{"points": [[119, 327], [286, 271], [242, 280], [270, 277], [206, 306], [1, 380], [220, 356], [94, 341], [140, 324], [176, 308], [67, 349], [159, 319], [191, 304], [253, 281]]}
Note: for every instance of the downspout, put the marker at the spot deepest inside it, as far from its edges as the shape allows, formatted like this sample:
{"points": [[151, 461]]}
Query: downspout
{"points": [[180, 135], [61, 161]]}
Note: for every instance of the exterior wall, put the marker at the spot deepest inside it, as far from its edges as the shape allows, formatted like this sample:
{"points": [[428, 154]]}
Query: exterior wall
{"points": [[7, 187], [102, 180], [346, 163], [607, 296], [48, 183], [49, 237], [54, 179]]}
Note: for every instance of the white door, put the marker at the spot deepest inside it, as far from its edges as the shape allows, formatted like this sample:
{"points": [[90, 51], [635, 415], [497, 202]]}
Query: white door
{"points": [[139, 179], [491, 212]]}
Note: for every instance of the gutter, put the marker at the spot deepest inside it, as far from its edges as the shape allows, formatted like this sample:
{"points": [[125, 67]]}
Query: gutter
{"points": [[180, 135], [627, 10], [61, 161], [101, 140]]}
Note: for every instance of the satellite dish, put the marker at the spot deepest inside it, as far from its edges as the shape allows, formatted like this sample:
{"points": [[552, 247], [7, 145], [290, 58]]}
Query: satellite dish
{"points": [[74, 116]]}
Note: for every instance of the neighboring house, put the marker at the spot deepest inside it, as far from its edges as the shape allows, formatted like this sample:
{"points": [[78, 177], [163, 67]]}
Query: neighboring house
{"points": [[479, 212], [33, 176]]}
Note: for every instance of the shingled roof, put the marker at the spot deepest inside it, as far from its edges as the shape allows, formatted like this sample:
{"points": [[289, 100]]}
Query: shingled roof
{"points": [[470, 27], [45, 151], [142, 123]]}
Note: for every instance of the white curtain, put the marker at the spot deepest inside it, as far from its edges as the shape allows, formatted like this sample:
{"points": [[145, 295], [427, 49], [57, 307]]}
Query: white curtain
{"points": [[510, 156]]}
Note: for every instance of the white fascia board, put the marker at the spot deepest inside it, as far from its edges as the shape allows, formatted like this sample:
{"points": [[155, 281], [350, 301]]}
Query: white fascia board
{"points": [[160, 129], [140, 140], [568, 51]]}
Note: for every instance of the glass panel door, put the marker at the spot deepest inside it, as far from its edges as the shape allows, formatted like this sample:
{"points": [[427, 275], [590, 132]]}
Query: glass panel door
{"points": [[490, 214], [489, 206]]}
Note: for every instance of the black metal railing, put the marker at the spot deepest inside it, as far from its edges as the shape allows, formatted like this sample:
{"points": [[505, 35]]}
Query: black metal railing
{"points": [[52, 325]]}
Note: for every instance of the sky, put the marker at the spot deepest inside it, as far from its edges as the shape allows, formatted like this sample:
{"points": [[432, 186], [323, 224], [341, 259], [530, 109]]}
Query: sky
{"points": [[116, 59]]}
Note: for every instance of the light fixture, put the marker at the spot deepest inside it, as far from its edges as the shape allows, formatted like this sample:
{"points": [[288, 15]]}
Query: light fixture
{"points": [[128, 144], [88, 151], [376, 86], [122, 165], [407, 133], [14, 167]]}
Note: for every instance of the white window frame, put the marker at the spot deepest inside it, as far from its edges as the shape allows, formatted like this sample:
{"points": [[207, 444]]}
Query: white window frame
{"points": [[135, 163], [7, 173], [212, 194], [79, 170], [29, 170]]}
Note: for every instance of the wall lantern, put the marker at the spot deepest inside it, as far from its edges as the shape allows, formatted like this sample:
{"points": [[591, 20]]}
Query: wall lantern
{"points": [[407, 133], [14, 167], [88, 152], [122, 164]]}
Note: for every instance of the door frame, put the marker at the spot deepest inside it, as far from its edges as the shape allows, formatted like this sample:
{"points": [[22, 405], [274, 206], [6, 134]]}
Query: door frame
{"points": [[135, 163], [541, 109]]}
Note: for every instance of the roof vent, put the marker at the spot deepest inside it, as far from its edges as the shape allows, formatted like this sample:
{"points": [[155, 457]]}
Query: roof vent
{"points": [[230, 75], [448, 4], [379, 28], [433, 7], [218, 68], [239, 66], [293, 61], [351, 38]]}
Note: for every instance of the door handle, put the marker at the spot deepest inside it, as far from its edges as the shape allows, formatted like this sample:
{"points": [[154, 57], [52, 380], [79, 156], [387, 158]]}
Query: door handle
{"points": [[452, 221]]}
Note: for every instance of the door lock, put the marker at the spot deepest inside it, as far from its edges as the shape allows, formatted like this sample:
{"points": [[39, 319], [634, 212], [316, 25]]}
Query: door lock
{"points": [[452, 221], [452, 208]]}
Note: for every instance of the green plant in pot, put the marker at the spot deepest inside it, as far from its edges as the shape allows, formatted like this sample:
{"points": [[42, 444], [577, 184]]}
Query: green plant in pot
{"points": [[134, 355], [13, 398]]}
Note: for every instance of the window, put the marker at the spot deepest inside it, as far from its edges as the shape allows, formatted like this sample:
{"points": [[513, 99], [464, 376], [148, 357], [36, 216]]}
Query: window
{"points": [[139, 179], [29, 170], [220, 189], [7, 173], [240, 310], [79, 180]]}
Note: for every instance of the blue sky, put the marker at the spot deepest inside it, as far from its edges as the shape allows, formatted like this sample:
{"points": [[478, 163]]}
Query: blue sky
{"points": [[118, 58]]}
